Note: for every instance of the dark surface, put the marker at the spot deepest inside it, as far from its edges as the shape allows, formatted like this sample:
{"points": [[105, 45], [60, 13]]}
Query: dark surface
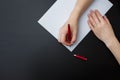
{"points": [[29, 52]]}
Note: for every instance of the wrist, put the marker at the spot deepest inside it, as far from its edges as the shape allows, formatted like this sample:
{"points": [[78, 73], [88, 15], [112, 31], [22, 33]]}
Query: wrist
{"points": [[74, 18], [75, 14], [111, 42]]}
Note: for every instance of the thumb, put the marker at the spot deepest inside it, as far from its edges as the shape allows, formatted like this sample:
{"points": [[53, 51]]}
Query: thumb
{"points": [[74, 36]]}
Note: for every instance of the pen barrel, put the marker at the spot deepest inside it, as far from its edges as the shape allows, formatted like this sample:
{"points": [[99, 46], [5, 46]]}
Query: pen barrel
{"points": [[69, 37]]}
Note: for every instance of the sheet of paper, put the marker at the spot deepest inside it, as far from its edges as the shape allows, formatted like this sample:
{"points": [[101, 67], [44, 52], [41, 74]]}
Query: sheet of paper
{"points": [[57, 15]]}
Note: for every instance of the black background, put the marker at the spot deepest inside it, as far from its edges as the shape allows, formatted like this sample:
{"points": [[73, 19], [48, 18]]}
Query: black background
{"points": [[29, 52]]}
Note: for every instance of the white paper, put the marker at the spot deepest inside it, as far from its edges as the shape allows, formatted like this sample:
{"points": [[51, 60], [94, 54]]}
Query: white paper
{"points": [[60, 11]]}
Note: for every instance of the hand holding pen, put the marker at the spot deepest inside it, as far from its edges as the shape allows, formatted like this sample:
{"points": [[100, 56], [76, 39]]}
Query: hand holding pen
{"points": [[68, 33]]}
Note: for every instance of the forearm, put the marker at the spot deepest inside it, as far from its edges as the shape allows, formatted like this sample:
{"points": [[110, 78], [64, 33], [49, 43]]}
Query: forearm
{"points": [[114, 47], [79, 8]]}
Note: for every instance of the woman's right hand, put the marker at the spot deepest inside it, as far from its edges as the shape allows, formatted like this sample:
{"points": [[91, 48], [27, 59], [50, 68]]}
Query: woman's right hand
{"points": [[64, 31]]}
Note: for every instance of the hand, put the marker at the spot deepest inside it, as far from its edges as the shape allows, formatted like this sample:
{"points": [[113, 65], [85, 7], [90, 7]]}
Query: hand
{"points": [[101, 27], [64, 30]]}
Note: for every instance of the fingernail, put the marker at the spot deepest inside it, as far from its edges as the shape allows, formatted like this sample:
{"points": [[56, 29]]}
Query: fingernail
{"points": [[91, 10]]}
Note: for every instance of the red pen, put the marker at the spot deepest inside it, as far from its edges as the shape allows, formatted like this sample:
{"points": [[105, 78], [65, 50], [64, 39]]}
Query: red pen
{"points": [[80, 57], [69, 35]]}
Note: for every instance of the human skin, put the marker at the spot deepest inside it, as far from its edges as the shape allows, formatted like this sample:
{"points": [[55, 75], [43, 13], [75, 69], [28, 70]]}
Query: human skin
{"points": [[102, 28], [76, 13]]}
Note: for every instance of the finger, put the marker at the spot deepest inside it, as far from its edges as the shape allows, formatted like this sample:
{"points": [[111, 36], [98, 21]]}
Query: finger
{"points": [[98, 14], [94, 16], [106, 19], [91, 20], [90, 25], [63, 40], [74, 36]]}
